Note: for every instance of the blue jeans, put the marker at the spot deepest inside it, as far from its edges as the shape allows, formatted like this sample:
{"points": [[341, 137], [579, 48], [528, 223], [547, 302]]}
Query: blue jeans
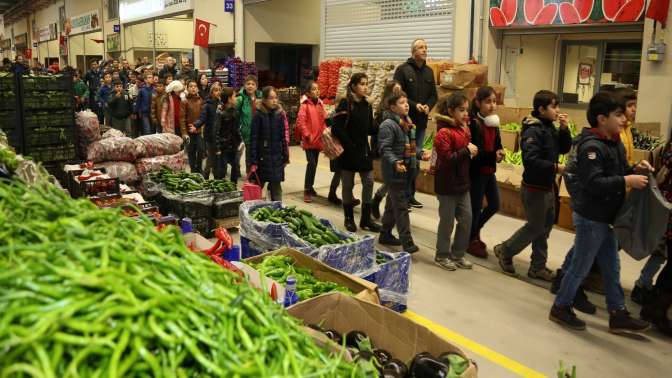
{"points": [[652, 266], [594, 241], [223, 161], [146, 125], [483, 186], [195, 153], [419, 142]]}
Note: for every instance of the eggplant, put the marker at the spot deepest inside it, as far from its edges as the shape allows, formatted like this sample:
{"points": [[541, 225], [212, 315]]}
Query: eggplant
{"points": [[354, 338], [424, 365], [316, 327], [382, 356], [395, 369], [363, 355], [334, 336]]}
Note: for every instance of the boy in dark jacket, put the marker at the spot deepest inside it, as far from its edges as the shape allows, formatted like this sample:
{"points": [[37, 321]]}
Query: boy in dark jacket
{"points": [[396, 139], [541, 144], [119, 109], [158, 98], [604, 175], [143, 104], [228, 136], [103, 96], [207, 122]]}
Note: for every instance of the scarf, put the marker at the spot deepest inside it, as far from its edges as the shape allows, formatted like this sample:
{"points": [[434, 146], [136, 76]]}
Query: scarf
{"points": [[410, 145]]}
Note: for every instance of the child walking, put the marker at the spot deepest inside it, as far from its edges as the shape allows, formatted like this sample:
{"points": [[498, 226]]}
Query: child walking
{"points": [[454, 150], [485, 135], [396, 139], [269, 151], [228, 136], [310, 125], [119, 109], [246, 106], [190, 111], [541, 143], [604, 175], [208, 122]]}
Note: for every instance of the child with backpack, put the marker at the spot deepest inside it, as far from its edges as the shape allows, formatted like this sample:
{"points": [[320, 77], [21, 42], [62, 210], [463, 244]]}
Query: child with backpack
{"points": [[603, 176], [396, 139], [485, 135], [452, 155], [541, 145]]}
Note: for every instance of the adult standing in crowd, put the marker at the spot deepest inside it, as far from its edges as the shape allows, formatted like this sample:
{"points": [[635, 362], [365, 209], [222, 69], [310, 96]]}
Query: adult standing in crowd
{"points": [[125, 72], [187, 72], [353, 124], [417, 81], [169, 68], [92, 79]]}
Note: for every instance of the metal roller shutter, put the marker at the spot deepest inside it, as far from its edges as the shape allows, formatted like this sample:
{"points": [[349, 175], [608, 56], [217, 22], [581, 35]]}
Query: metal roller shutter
{"points": [[384, 29]]}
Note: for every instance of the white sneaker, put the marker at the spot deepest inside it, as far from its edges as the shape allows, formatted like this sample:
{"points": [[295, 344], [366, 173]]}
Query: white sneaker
{"points": [[462, 263], [445, 263]]}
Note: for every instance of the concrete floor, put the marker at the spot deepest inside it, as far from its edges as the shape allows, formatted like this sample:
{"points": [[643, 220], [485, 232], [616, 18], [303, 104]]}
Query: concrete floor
{"points": [[499, 321]]}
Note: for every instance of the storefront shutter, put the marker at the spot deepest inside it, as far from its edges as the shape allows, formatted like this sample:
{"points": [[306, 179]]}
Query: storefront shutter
{"points": [[384, 29]]}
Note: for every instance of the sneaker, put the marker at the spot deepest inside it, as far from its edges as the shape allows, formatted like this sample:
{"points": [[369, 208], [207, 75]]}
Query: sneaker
{"points": [[412, 248], [445, 263], [566, 318], [642, 295], [544, 274], [462, 263], [307, 197], [620, 321], [476, 249], [581, 303], [386, 238], [505, 263], [414, 203]]}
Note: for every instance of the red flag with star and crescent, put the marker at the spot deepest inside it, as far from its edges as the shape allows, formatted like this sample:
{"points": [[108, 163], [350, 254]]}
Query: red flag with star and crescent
{"points": [[202, 33]]}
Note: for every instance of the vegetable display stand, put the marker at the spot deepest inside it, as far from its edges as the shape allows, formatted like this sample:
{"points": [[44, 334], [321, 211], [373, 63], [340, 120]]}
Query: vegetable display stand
{"points": [[311, 275], [204, 226], [387, 330], [392, 278], [96, 186], [248, 248], [357, 256], [10, 105], [193, 205], [226, 205]]}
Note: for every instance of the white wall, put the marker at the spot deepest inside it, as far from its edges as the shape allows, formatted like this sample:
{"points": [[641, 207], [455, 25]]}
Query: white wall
{"points": [[212, 11]]}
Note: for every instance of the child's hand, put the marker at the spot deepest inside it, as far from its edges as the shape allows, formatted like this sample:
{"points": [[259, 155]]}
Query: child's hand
{"points": [[192, 129], [500, 155], [636, 181], [644, 167], [564, 120], [399, 166], [426, 155], [473, 150]]}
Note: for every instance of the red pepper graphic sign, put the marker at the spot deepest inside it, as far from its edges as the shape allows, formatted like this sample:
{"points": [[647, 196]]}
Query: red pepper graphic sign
{"points": [[567, 12]]}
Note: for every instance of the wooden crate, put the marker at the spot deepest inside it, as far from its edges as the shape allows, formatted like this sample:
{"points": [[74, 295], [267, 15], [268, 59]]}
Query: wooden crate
{"points": [[510, 201], [510, 140]]}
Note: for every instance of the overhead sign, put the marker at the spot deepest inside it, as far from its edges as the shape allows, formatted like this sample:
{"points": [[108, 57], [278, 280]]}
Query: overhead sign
{"points": [[135, 10], [525, 13], [21, 41], [116, 28], [114, 42], [6, 44], [47, 33], [82, 23], [229, 6]]}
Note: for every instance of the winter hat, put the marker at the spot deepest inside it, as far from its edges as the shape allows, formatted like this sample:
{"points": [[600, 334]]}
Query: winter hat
{"points": [[175, 86]]}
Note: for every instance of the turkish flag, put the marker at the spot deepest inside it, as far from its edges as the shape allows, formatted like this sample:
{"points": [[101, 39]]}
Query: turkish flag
{"points": [[202, 35], [658, 10]]}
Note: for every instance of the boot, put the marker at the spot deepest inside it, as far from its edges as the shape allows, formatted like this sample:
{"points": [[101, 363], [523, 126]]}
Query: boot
{"points": [[620, 321], [366, 223], [349, 223], [375, 206], [386, 238], [333, 198]]}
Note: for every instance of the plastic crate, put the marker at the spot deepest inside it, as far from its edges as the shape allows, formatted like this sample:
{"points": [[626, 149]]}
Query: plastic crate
{"points": [[248, 248], [95, 187], [227, 209], [204, 226], [52, 153], [52, 83], [49, 136], [72, 183]]}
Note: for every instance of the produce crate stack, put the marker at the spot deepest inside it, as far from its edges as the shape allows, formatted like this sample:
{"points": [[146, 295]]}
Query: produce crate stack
{"points": [[9, 103], [48, 117], [290, 99]]}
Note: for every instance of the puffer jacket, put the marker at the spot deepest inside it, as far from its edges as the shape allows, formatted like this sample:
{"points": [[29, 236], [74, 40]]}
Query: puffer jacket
{"points": [[602, 166], [190, 111], [269, 150], [168, 116], [392, 142], [157, 107], [246, 109], [207, 120], [310, 123], [452, 157], [541, 144], [353, 124], [143, 103], [228, 133]]}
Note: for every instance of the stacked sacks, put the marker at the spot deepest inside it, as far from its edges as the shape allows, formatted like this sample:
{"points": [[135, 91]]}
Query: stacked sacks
{"points": [[87, 131]]}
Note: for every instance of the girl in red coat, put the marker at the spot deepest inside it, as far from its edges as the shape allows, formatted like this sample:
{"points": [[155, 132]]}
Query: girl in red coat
{"points": [[453, 152], [310, 123]]}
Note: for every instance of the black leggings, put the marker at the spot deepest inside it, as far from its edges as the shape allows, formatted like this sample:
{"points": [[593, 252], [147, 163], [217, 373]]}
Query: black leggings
{"points": [[664, 281]]}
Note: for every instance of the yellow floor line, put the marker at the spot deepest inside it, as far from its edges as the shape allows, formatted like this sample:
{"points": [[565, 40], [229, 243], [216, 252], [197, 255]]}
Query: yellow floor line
{"points": [[475, 347]]}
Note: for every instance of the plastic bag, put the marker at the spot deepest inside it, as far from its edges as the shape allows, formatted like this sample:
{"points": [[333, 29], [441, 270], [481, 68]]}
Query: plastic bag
{"points": [[87, 130], [122, 170], [159, 144], [176, 162], [392, 278], [113, 133], [114, 149]]}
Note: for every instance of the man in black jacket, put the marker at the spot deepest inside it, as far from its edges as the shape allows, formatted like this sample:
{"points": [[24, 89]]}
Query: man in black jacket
{"points": [[417, 80], [604, 175], [541, 144]]}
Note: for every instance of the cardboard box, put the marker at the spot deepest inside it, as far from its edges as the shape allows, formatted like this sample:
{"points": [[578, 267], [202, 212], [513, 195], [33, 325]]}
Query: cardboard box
{"points": [[361, 288], [510, 174], [465, 76], [564, 210], [425, 181], [439, 66], [508, 114], [638, 155], [648, 128], [510, 201], [402, 337], [500, 92], [510, 139]]}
